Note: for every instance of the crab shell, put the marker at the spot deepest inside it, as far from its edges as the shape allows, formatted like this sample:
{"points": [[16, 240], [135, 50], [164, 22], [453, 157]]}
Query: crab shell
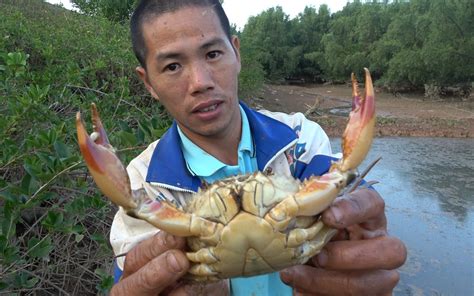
{"points": [[244, 225]]}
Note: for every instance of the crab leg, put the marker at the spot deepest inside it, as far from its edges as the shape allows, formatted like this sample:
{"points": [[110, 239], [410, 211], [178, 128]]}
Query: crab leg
{"points": [[112, 179], [318, 193]]}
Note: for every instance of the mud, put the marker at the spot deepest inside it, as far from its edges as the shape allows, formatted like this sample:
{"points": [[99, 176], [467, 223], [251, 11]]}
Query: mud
{"points": [[410, 115]]}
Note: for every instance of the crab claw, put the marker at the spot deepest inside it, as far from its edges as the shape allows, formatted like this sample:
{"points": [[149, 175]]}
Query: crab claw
{"points": [[359, 132], [105, 167]]}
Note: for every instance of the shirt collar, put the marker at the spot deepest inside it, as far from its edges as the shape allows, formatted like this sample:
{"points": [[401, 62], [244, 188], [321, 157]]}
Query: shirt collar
{"points": [[201, 163]]}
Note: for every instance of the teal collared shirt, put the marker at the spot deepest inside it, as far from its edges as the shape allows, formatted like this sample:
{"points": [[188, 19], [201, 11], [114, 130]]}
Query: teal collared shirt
{"points": [[202, 164]]}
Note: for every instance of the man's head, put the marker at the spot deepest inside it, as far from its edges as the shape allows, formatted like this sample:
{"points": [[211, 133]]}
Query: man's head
{"points": [[191, 65], [149, 9]]}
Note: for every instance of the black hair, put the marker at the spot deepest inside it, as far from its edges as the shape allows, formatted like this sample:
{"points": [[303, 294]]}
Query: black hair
{"points": [[148, 9]]}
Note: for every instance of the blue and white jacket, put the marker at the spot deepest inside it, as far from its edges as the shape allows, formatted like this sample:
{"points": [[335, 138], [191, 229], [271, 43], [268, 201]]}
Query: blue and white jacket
{"points": [[285, 144]]}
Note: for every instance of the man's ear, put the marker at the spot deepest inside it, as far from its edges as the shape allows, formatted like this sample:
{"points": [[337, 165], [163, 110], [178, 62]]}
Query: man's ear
{"points": [[236, 45], [141, 72]]}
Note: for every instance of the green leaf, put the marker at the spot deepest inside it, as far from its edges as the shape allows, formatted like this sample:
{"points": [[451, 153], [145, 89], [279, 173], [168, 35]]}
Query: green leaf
{"points": [[144, 126], [9, 196], [100, 238], [3, 286], [78, 237], [107, 281], [31, 282], [39, 248], [8, 251], [31, 170], [140, 136], [29, 183], [24, 280], [78, 229], [9, 219], [127, 138], [25, 183], [61, 149], [54, 220], [3, 243]]}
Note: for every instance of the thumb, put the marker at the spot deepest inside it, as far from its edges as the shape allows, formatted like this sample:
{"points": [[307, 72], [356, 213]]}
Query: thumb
{"points": [[155, 276]]}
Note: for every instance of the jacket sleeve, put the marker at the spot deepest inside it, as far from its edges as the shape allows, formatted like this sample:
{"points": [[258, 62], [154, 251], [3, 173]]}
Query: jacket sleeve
{"points": [[311, 154], [126, 232]]}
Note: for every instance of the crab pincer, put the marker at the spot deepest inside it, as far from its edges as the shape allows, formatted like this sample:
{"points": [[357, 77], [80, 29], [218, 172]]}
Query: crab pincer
{"points": [[318, 192], [359, 132], [105, 167], [111, 177]]}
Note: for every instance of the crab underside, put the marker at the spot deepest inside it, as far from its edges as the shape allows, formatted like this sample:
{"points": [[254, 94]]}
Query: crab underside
{"points": [[243, 225]]}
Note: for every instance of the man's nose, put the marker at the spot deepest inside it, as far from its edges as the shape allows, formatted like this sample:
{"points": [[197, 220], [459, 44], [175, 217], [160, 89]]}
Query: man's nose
{"points": [[200, 78]]}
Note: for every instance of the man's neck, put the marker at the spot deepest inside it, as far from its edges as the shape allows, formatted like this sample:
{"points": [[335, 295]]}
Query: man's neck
{"points": [[224, 149], [223, 146]]}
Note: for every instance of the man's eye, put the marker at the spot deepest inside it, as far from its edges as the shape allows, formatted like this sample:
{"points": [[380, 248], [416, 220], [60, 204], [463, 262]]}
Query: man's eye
{"points": [[172, 67], [214, 54]]}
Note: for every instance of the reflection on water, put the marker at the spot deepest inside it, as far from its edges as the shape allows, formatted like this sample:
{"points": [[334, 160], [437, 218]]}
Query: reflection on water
{"points": [[428, 186]]}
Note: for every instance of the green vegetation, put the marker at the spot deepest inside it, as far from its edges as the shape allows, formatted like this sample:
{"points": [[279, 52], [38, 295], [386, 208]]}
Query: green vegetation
{"points": [[408, 45], [115, 10], [54, 223]]}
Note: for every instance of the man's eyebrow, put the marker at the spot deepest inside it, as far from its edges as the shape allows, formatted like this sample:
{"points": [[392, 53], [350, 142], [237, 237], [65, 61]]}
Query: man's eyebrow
{"points": [[167, 55], [213, 42], [174, 55]]}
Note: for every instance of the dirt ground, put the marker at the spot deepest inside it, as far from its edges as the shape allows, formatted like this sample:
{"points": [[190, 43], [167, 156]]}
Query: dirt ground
{"points": [[397, 114]]}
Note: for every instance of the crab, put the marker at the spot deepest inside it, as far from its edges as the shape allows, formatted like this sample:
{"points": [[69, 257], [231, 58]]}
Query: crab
{"points": [[242, 225]]}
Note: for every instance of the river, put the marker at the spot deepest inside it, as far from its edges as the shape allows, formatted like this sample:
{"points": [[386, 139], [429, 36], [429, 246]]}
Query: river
{"points": [[428, 187]]}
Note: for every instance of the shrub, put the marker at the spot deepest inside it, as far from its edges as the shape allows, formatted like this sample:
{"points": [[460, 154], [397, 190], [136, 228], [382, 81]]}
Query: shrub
{"points": [[54, 222]]}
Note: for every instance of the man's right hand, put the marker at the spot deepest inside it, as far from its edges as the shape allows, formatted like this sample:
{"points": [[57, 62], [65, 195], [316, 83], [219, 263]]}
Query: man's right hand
{"points": [[153, 266]]}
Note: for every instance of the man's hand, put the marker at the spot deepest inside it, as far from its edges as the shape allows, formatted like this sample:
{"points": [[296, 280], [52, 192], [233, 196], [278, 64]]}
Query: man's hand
{"points": [[152, 266], [155, 266], [360, 260]]}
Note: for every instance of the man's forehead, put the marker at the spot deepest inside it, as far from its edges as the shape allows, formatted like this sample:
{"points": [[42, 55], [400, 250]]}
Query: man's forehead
{"points": [[169, 17], [201, 22]]}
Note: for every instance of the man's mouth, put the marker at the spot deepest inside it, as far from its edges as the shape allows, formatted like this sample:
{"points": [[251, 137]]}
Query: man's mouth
{"points": [[207, 109]]}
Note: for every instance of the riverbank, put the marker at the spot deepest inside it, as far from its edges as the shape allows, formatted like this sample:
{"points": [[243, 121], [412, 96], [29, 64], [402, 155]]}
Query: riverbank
{"points": [[410, 115]]}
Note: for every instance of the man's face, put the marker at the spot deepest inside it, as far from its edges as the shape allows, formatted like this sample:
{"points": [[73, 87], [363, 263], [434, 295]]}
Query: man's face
{"points": [[192, 69]]}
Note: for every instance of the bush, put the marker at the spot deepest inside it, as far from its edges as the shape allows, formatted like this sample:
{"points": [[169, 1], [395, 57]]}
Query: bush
{"points": [[54, 222]]}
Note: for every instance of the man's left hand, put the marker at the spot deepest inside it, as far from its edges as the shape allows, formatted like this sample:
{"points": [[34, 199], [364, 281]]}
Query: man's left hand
{"points": [[360, 260]]}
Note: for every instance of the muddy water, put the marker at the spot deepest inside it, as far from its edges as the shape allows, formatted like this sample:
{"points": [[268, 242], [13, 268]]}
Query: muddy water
{"points": [[428, 186]]}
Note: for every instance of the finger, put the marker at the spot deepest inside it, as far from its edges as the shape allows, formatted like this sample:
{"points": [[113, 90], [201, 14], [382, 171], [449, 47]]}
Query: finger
{"points": [[309, 280], [220, 288], [301, 293], [366, 230], [148, 249], [361, 206], [342, 234], [378, 253], [155, 276]]}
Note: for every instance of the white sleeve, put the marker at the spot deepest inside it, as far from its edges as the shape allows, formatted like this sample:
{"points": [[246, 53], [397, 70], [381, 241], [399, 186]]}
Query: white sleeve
{"points": [[126, 232]]}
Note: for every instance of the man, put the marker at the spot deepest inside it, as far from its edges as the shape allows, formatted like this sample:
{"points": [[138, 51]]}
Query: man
{"points": [[190, 64]]}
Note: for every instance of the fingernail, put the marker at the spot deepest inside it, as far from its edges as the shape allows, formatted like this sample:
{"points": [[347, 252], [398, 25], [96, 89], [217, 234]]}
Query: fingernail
{"points": [[286, 276], [170, 240], [322, 258], [173, 263], [337, 214]]}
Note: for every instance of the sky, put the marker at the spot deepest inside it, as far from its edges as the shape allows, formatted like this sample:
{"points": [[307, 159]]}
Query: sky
{"points": [[238, 11]]}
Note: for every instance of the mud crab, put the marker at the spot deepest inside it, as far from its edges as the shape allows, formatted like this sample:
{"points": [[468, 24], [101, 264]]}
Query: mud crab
{"points": [[243, 225]]}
